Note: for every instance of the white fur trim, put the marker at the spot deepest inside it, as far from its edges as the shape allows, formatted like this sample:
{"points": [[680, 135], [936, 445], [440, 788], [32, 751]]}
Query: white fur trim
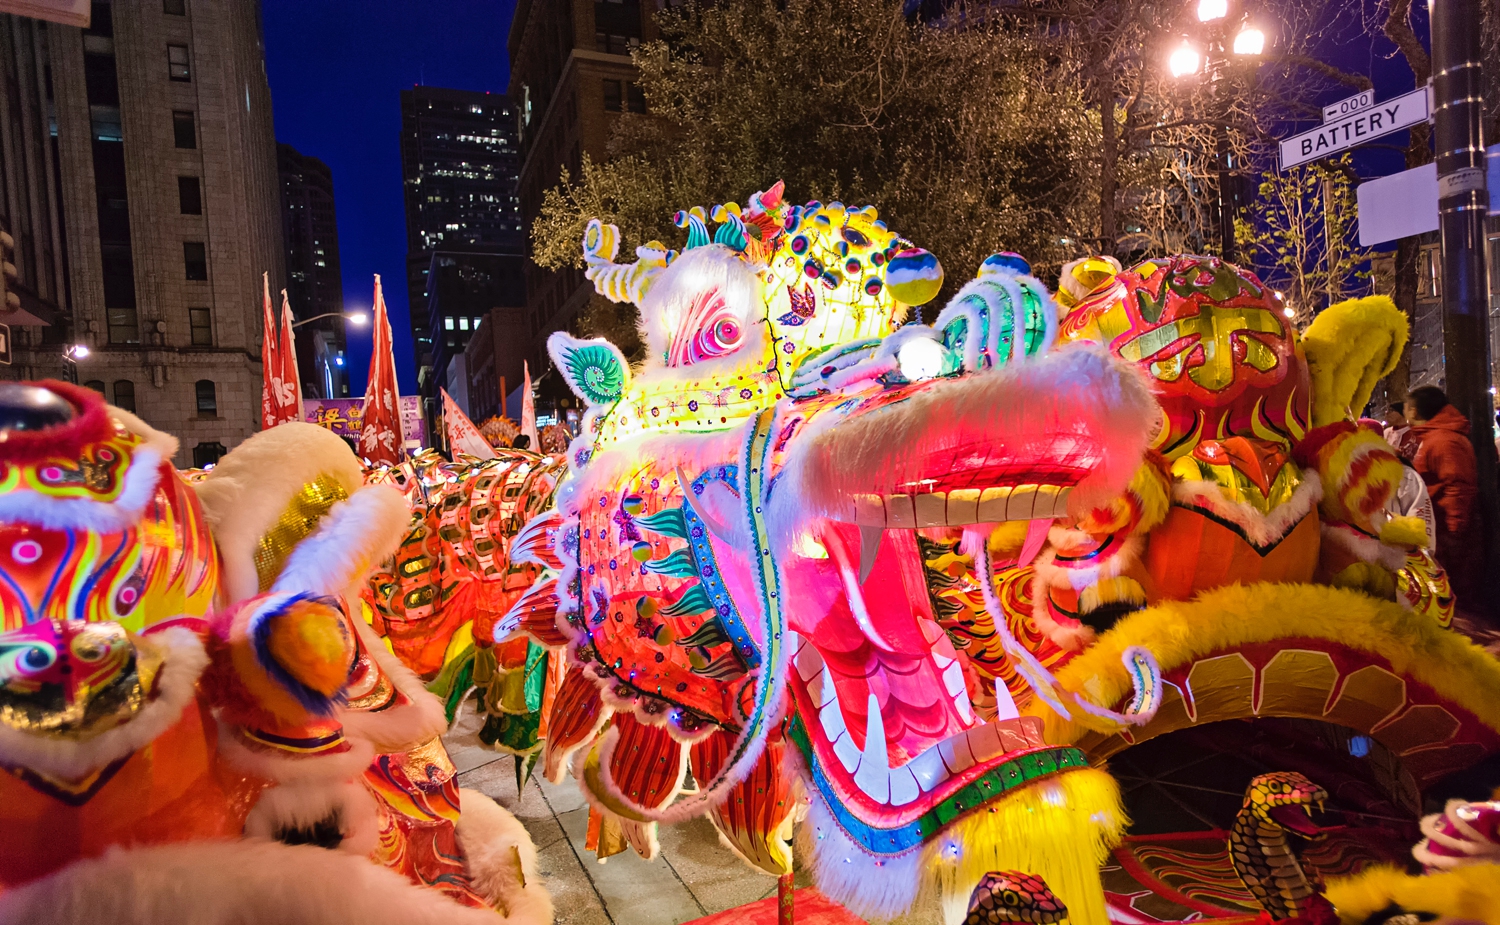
{"points": [[665, 307], [74, 759], [1078, 577], [141, 480], [301, 804], [872, 888], [1261, 529], [249, 489], [502, 860], [353, 537], [163, 443], [232, 883], [1364, 548], [398, 728], [1027, 403]]}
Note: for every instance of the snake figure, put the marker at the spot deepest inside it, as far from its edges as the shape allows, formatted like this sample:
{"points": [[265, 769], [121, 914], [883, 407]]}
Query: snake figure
{"points": [[1258, 845], [1011, 896]]}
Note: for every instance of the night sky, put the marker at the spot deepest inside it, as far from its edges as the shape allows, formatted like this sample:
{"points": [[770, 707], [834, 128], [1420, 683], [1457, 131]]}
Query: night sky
{"points": [[337, 68], [336, 71]]}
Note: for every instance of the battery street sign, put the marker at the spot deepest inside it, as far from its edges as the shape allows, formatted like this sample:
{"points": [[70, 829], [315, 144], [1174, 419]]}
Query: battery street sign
{"points": [[1355, 127]]}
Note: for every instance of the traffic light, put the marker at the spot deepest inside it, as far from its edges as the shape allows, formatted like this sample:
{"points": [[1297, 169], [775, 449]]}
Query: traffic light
{"points": [[8, 273]]}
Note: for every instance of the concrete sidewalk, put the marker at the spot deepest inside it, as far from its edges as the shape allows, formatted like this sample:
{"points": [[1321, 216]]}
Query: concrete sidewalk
{"points": [[693, 876]]}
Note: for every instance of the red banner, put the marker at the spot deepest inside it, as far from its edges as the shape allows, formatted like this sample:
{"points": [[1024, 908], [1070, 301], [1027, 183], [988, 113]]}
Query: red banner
{"points": [[380, 441], [280, 390], [291, 381]]}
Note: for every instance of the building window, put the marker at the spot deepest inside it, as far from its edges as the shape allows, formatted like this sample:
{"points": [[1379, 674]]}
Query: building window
{"points": [[636, 98], [613, 44], [96, 384], [614, 96], [125, 395], [208, 399], [207, 454], [184, 130], [123, 327], [177, 63], [447, 324], [463, 324], [189, 196], [202, 325], [174, 7], [195, 259]]}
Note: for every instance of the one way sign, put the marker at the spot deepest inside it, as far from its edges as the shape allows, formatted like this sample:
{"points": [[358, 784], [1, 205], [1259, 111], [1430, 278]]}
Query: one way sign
{"points": [[1356, 128]]}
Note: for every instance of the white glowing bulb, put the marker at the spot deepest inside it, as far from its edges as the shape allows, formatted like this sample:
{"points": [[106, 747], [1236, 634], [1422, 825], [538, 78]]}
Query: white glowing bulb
{"points": [[79, 351], [1250, 41], [921, 358], [1209, 10], [1289, 312], [1184, 61]]}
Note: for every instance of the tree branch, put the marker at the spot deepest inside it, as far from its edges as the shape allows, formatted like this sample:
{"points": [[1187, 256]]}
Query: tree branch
{"points": [[1357, 81]]}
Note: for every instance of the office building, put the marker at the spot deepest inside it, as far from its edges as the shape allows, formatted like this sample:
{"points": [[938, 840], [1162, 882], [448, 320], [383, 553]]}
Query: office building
{"points": [[459, 165], [309, 229], [571, 77], [160, 154]]}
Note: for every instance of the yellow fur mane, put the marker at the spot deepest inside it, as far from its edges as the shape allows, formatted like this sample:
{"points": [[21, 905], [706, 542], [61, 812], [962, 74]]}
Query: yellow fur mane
{"points": [[1179, 631]]}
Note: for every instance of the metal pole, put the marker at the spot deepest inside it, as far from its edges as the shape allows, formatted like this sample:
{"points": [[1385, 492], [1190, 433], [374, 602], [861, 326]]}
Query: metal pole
{"points": [[1463, 203]]}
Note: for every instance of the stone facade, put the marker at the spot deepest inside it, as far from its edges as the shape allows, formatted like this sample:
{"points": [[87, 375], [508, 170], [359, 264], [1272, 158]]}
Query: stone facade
{"points": [[132, 80], [571, 76]]}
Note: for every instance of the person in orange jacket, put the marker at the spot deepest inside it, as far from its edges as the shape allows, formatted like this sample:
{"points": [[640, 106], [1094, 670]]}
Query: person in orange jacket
{"points": [[1445, 460]]}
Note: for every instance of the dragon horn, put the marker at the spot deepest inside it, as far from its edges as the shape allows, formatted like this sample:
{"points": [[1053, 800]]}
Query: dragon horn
{"points": [[618, 282]]}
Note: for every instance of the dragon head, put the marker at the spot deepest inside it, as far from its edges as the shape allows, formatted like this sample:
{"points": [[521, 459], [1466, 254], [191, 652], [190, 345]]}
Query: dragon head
{"points": [[739, 539]]}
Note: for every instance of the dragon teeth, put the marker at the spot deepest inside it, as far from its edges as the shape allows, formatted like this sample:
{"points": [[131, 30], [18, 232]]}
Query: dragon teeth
{"points": [[960, 507]]}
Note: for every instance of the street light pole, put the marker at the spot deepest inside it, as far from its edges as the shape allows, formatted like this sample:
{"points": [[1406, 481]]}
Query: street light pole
{"points": [[1463, 203]]}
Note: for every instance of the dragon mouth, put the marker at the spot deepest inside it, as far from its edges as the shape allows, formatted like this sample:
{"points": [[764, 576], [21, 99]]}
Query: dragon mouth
{"points": [[885, 784]]}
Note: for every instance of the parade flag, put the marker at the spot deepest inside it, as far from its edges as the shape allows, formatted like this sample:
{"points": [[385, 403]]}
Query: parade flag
{"points": [[463, 436], [380, 441], [270, 363], [288, 380], [528, 410]]}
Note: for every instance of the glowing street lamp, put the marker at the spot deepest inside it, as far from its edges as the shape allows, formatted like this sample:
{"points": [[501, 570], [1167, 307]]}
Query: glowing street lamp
{"points": [[1184, 61], [1250, 41], [1210, 10]]}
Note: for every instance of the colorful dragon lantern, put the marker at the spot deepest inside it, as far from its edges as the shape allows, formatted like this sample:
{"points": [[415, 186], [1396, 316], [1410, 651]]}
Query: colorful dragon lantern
{"points": [[1298, 622], [436, 601], [742, 583], [180, 666]]}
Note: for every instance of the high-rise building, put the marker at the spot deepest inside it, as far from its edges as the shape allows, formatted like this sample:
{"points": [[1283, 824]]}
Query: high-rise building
{"points": [[459, 163], [309, 228], [570, 76], [160, 153]]}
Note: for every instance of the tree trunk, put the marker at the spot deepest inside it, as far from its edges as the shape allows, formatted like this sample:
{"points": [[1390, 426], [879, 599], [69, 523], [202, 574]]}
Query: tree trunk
{"points": [[1109, 157]]}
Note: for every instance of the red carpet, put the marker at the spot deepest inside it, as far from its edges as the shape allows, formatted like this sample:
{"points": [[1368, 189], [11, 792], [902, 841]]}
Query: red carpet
{"points": [[810, 908]]}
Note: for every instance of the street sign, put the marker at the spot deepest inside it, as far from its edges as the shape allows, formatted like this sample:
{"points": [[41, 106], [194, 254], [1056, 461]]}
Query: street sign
{"points": [[1359, 102], [1355, 128], [4, 345], [67, 12], [1406, 203]]}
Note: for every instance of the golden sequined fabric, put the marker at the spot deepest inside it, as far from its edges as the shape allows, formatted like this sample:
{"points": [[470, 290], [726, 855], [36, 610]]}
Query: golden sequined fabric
{"points": [[299, 519]]}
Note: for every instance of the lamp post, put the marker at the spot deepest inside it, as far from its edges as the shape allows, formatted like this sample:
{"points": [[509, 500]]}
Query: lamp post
{"points": [[358, 319], [72, 355], [1217, 42]]}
